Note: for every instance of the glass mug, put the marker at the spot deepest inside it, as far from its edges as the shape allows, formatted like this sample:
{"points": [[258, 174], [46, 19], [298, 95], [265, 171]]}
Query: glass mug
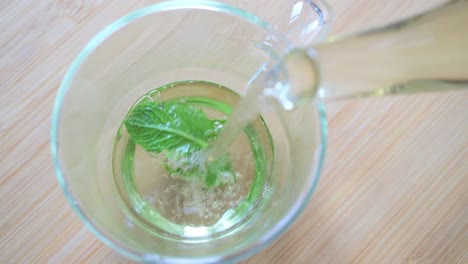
{"points": [[159, 46]]}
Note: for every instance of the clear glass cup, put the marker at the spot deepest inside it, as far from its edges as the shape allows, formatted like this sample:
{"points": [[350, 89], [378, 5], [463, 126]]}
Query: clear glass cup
{"points": [[154, 46]]}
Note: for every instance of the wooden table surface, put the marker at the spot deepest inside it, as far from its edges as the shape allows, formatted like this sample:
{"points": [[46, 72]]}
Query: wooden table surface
{"points": [[394, 187]]}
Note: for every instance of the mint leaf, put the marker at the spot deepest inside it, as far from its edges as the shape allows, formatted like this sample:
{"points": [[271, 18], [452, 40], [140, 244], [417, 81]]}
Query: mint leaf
{"points": [[220, 171], [187, 165], [169, 126], [183, 132]]}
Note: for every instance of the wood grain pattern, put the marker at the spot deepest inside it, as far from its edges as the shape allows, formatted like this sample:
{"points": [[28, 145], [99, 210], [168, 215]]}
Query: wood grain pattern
{"points": [[394, 188]]}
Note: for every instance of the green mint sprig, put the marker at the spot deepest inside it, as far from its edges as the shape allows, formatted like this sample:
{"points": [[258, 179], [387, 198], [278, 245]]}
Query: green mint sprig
{"points": [[184, 133]]}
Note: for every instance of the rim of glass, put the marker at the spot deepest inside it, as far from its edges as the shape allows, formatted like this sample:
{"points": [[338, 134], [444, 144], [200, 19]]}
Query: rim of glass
{"points": [[251, 249]]}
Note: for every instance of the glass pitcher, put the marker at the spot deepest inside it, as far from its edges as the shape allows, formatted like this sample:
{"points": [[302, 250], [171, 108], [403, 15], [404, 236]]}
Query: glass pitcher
{"points": [[427, 52]]}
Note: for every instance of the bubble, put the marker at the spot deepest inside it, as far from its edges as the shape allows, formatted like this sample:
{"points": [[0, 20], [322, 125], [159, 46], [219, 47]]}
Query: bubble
{"points": [[155, 95]]}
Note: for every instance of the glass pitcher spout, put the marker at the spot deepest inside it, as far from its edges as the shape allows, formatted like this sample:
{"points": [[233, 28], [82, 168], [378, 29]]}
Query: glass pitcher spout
{"points": [[291, 78], [428, 52]]}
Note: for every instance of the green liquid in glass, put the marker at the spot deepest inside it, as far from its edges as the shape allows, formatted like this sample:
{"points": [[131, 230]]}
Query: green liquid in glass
{"points": [[187, 207]]}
